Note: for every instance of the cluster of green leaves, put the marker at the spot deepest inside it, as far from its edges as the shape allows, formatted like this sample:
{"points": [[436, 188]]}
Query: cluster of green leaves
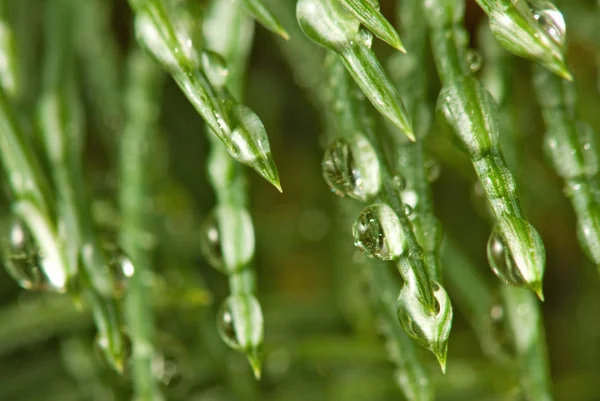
{"points": [[115, 217]]}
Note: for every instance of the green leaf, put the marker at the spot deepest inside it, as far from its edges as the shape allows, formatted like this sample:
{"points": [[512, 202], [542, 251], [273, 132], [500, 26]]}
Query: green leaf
{"points": [[368, 14], [262, 14], [328, 24], [535, 32]]}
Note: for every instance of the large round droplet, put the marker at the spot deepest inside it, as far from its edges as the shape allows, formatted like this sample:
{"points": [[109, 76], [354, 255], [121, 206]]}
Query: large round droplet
{"points": [[240, 321], [501, 260], [351, 168], [227, 239], [23, 258], [226, 325], [429, 328], [550, 19], [378, 233]]}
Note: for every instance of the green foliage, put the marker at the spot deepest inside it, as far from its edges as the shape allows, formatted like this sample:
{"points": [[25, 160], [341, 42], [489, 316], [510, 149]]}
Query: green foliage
{"points": [[151, 266]]}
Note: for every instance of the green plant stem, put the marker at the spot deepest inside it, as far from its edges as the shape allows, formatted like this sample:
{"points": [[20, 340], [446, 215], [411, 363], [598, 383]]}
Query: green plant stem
{"points": [[100, 67], [137, 146], [410, 77], [518, 31], [527, 330], [574, 155], [470, 114], [419, 300], [61, 129], [412, 377], [174, 39], [227, 177]]}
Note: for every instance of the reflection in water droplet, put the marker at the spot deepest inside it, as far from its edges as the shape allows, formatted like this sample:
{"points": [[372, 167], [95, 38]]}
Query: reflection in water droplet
{"points": [[227, 238], [501, 260], [474, 60], [210, 242], [120, 267], [366, 38], [377, 232], [241, 312], [23, 258], [551, 20], [215, 68], [352, 168], [226, 325]]}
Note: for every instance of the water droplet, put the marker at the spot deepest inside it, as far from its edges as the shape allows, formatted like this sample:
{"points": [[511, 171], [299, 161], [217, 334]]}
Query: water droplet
{"points": [[210, 242], [166, 370], [550, 19], [23, 258], [119, 266], [377, 232], [399, 182], [215, 67], [227, 239], [408, 210], [248, 142], [327, 23], [365, 37], [226, 326], [111, 358], [351, 168], [429, 330], [501, 260], [474, 60], [239, 311], [433, 170]]}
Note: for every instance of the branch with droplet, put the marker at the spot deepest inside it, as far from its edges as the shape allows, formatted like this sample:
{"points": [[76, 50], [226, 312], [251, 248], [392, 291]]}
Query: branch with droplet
{"points": [[227, 236], [355, 166], [99, 279], [572, 148], [409, 158], [468, 114], [173, 36], [532, 29], [329, 24], [138, 141]]}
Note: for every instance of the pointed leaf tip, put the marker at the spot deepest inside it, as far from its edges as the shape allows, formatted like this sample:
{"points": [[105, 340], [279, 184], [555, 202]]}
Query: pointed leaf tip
{"points": [[264, 16], [255, 364], [537, 288], [370, 16], [441, 356]]}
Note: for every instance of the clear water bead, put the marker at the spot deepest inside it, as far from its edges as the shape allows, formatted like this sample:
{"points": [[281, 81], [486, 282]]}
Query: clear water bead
{"points": [[378, 233], [23, 258], [501, 260], [474, 60], [239, 322], [119, 266], [351, 168], [215, 68], [550, 19], [227, 239]]}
